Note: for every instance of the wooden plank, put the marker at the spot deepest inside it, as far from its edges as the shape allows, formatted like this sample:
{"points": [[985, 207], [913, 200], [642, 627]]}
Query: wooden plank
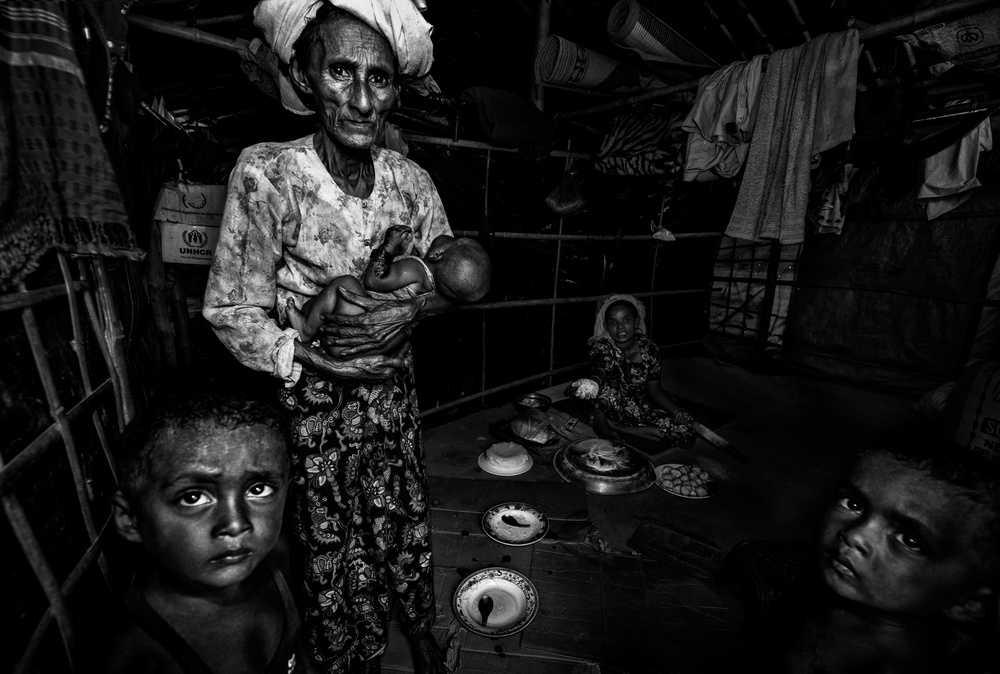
{"points": [[474, 552]]}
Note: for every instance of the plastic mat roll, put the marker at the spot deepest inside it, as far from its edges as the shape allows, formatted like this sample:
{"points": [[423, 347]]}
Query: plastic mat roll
{"points": [[633, 27], [564, 63]]}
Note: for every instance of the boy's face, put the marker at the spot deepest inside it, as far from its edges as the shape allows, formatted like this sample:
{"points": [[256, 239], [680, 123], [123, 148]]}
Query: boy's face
{"points": [[620, 321], [901, 541], [212, 506]]}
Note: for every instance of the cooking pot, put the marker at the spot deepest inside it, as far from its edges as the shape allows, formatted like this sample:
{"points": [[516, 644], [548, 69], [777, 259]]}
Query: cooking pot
{"points": [[604, 467]]}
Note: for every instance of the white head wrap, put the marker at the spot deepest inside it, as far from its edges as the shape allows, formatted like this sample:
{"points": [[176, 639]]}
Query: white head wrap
{"points": [[399, 21], [640, 311]]}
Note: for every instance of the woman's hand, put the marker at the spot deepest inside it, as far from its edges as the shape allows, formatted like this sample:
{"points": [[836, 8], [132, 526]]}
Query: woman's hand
{"points": [[584, 389], [381, 324], [363, 367]]}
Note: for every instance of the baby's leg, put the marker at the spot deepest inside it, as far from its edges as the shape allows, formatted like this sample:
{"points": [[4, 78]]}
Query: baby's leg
{"points": [[308, 320]]}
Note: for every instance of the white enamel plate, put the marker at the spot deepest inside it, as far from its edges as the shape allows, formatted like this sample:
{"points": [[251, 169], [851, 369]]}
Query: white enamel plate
{"points": [[512, 597], [515, 523]]}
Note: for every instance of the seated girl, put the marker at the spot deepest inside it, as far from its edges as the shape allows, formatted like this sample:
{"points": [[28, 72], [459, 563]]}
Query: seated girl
{"points": [[624, 376]]}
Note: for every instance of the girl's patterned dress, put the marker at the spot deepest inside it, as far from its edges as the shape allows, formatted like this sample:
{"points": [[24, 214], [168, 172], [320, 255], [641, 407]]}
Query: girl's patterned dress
{"points": [[623, 398]]}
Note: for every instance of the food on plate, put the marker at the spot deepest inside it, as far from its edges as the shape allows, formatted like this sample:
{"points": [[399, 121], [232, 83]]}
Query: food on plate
{"points": [[601, 456], [686, 480], [529, 401], [533, 426]]}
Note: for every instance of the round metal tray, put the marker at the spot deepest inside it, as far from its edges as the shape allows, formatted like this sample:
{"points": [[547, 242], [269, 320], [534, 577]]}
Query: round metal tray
{"points": [[604, 468]]}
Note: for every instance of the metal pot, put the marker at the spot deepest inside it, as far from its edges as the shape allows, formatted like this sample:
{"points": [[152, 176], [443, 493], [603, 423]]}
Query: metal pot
{"points": [[604, 468]]}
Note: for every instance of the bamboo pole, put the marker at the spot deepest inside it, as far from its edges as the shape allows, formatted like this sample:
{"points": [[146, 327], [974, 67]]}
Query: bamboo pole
{"points": [[555, 274], [587, 237], [891, 27], [102, 344], [28, 298], [47, 439], [116, 337], [183, 32], [514, 304], [95, 550], [32, 549], [79, 346], [479, 145], [544, 20], [58, 413]]}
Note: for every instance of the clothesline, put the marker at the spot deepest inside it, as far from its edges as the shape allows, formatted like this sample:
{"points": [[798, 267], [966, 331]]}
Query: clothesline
{"points": [[891, 27]]}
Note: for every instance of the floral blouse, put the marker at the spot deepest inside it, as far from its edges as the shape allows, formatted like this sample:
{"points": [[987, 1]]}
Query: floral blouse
{"points": [[623, 396], [288, 230]]}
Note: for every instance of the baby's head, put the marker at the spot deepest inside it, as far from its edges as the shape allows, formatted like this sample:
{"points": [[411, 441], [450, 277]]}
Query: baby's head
{"points": [[915, 530], [462, 268], [203, 481]]}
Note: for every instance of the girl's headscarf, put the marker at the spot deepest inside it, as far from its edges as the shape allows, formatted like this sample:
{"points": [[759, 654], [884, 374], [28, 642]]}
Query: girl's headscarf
{"points": [[399, 21], [640, 312]]}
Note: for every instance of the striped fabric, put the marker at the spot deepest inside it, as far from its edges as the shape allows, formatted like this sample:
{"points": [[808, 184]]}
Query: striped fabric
{"points": [[57, 186]]}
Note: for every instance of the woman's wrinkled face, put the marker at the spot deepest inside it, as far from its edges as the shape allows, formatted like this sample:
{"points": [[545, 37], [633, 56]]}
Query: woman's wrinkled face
{"points": [[351, 78]]}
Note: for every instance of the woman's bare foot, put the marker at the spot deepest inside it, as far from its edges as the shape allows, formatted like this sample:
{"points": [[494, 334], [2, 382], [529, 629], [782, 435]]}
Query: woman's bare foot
{"points": [[428, 658]]}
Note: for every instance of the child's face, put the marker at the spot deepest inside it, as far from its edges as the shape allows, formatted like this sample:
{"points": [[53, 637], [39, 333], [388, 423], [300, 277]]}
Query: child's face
{"points": [[620, 321], [212, 507], [899, 540]]}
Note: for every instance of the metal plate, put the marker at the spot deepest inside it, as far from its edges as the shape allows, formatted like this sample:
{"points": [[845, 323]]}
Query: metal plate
{"points": [[515, 523], [515, 602]]}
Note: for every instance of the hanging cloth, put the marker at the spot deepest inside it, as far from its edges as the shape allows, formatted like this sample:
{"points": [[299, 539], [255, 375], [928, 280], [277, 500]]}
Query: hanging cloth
{"points": [[57, 185], [806, 106], [721, 121], [950, 175]]}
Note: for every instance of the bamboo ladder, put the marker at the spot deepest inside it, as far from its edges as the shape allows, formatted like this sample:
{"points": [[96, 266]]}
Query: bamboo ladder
{"points": [[92, 287]]}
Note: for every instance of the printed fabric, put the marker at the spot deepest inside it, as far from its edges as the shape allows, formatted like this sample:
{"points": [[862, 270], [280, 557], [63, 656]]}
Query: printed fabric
{"points": [[623, 396], [360, 515], [57, 186], [358, 495]]}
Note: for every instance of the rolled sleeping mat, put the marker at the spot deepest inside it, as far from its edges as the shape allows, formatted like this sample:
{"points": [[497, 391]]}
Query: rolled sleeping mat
{"points": [[564, 63], [633, 27]]}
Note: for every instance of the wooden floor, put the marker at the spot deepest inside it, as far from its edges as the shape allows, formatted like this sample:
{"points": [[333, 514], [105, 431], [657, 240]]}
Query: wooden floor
{"points": [[603, 605]]}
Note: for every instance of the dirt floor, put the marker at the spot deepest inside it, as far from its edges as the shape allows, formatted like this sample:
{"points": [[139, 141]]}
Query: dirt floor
{"points": [[632, 583]]}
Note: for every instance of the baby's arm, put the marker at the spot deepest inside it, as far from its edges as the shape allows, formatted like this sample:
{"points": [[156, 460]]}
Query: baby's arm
{"points": [[397, 238], [400, 274]]}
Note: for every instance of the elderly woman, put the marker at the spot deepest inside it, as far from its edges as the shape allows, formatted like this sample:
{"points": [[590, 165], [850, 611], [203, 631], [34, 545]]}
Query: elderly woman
{"points": [[298, 214]]}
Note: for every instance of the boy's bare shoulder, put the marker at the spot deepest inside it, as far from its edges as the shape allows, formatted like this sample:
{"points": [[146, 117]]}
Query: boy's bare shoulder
{"points": [[132, 650]]}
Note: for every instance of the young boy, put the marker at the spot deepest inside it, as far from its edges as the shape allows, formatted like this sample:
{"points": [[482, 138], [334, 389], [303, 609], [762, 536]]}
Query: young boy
{"points": [[203, 481], [459, 269], [909, 556]]}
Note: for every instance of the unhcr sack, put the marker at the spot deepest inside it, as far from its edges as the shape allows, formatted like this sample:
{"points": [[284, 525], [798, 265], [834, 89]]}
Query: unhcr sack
{"points": [[189, 215]]}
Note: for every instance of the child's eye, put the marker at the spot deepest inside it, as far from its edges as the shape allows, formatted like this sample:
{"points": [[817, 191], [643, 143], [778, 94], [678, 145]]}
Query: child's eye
{"points": [[193, 499], [909, 542], [260, 490], [850, 503]]}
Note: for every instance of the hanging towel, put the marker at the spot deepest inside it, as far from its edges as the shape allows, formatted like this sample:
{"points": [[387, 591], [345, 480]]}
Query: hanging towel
{"points": [[806, 106], [950, 175], [721, 121], [57, 186]]}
